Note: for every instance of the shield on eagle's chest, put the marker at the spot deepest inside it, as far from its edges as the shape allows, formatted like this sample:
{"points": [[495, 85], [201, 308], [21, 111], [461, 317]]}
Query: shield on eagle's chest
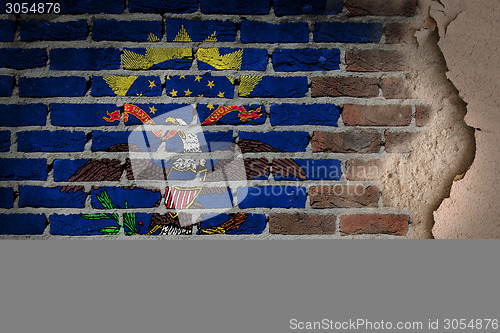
{"points": [[180, 198]]}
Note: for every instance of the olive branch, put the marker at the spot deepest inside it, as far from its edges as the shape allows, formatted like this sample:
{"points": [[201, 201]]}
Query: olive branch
{"points": [[129, 219]]}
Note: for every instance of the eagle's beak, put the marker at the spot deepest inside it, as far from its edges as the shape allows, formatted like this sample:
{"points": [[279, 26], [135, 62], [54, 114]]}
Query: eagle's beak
{"points": [[171, 134], [171, 120]]}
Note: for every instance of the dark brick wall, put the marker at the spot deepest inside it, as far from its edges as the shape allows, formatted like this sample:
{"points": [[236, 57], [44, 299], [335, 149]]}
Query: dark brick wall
{"points": [[296, 102]]}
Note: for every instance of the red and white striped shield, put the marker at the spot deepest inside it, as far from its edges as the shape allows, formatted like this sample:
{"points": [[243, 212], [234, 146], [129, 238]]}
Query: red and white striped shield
{"points": [[180, 198]]}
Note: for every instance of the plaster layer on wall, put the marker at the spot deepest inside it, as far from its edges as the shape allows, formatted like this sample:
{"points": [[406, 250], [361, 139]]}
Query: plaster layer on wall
{"points": [[470, 45], [420, 179]]}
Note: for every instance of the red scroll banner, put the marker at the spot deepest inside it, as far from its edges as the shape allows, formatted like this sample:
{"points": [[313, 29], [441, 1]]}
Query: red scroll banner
{"points": [[244, 115], [137, 112]]}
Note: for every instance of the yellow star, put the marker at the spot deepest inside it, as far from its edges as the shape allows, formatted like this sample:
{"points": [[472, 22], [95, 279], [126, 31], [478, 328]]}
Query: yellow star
{"points": [[152, 84], [188, 93], [174, 93], [200, 95], [152, 110], [210, 84], [168, 77], [210, 106], [182, 77], [198, 78], [221, 94], [140, 95]]}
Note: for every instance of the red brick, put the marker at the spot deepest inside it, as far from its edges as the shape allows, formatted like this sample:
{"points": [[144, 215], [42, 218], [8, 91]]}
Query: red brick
{"points": [[397, 33], [375, 61], [381, 7], [396, 88], [377, 115], [361, 170], [374, 224], [400, 142], [422, 115], [344, 196], [348, 142], [302, 224], [345, 86]]}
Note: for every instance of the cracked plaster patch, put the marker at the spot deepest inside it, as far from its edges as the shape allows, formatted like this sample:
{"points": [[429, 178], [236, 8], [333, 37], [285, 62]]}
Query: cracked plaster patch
{"points": [[470, 47], [420, 179]]}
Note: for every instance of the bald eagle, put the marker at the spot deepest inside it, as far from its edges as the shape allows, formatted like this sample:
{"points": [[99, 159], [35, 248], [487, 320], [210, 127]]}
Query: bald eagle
{"points": [[96, 170]]}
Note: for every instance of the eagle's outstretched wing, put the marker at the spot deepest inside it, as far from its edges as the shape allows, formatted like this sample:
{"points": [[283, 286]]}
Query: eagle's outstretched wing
{"points": [[144, 169], [96, 170], [254, 146], [241, 169], [256, 167], [227, 169], [284, 166], [287, 168]]}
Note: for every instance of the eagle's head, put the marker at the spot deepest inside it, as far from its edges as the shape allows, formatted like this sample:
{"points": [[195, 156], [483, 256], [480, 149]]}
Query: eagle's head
{"points": [[175, 121]]}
